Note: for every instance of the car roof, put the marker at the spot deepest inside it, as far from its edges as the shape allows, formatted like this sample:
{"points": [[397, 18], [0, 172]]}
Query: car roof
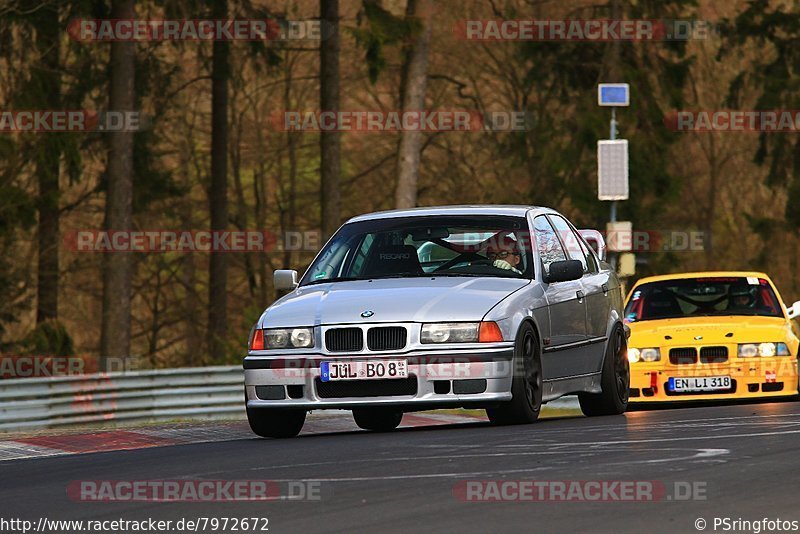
{"points": [[478, 209], [702, 274]]}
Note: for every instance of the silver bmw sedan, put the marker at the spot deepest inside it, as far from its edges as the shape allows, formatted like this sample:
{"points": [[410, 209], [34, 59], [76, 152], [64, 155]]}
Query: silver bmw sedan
{"points": [[502, 308]]}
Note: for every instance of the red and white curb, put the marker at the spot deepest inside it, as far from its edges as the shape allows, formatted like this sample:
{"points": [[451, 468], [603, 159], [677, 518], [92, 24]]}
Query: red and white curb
{"points": [[40, 446]]}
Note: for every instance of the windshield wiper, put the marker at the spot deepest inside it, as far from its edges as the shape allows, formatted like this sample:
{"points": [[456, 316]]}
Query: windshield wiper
{"points": [[395, 275], [470, 275], [337, 279]]}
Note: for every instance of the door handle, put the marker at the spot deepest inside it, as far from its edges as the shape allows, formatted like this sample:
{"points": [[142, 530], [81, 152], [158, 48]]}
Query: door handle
{"points": [[579, 294], [605, 289]]}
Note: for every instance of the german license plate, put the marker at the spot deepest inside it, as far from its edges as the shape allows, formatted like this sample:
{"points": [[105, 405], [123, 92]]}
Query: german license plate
{"points": [[361, 370], [704, 383]]}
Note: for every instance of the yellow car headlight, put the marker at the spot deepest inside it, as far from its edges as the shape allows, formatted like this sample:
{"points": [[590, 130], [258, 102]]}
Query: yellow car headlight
{"points": [[651, 355], [748, 350], [644, 355], [764, 350]]}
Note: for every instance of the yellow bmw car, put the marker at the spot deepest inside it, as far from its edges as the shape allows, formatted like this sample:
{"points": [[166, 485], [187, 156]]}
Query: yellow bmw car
{"points": [[710, 336]]}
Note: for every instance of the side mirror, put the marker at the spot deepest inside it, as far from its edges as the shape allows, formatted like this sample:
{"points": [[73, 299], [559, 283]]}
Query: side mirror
{"points": [[595, 240], [794, 310], [564, 271], [284, 279]]}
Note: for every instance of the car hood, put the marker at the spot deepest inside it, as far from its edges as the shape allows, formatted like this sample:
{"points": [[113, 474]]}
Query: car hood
{"points": [[714, 331], [390, 300]]}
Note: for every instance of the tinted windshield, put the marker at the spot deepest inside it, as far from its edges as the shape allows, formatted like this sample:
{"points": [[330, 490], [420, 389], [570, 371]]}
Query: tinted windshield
{"points": [[424, 246], [695, 297]]}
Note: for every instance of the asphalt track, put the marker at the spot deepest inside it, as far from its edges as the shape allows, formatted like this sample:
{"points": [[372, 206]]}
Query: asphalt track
{"points": [[746, 459]]}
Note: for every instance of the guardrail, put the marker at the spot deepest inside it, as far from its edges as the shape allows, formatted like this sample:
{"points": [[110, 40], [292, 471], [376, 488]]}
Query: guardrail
{"points": [[196, 393], [163, 395]]}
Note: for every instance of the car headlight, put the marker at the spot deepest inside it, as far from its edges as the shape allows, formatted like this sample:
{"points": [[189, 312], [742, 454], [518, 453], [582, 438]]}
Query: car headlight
{"points": [[651, 355], [644, 355], [288, 338], [449, 333], [765, 350]]}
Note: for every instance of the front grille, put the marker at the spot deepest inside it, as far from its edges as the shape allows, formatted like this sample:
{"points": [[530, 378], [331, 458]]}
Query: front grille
{"points": [[683, 356], [386, 338], [367, 388], [713, 354], [344, 340]]}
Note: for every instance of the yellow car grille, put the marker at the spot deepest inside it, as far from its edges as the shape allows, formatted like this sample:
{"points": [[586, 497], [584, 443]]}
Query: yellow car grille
{"points": [[688, 355]]}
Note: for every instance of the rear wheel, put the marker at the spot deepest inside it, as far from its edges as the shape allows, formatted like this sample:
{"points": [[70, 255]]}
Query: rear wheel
{"points": [[377, 419], [526, 383], [272, 423], [615, 381]]}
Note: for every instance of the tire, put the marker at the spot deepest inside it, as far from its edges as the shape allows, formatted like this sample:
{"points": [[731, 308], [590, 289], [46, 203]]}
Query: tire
{"points": [[273, 423], [615, 380], [377, 419], [526, 382]]}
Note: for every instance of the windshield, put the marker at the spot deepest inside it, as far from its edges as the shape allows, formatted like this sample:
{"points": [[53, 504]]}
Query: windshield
{"points": [[698, 297], [425, 246]]}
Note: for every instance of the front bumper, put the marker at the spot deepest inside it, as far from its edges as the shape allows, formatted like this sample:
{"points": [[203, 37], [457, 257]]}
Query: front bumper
{"points": [[436, 379], [751, 378]]}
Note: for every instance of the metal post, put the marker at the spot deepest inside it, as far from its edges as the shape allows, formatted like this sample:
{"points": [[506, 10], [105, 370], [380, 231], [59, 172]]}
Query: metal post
{"points": [[613, 215]]}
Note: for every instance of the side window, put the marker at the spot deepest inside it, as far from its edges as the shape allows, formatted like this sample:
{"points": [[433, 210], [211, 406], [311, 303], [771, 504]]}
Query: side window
{"points": [[571, 241], [547, 243]]}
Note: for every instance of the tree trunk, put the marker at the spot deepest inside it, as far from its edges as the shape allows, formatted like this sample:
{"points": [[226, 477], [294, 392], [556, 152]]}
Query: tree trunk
{"points": [[218, 193], [289, 224], [48, 158], [115, 336], [330, 161], [413, 91]]}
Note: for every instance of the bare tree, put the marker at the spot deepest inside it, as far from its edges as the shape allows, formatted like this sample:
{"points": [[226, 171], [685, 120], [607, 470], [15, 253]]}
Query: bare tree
{"points": [[218, 192], [330, 162], [115, 336], [415, 78]]}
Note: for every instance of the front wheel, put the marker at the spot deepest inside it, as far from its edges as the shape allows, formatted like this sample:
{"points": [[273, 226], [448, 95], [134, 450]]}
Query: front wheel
{"points": [[615, 381], [377, 419], [274, 423], [526, 383]]}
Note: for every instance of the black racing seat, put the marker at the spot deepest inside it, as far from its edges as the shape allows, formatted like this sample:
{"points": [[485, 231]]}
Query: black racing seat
{"points": [[395, 259], [661, 305]]}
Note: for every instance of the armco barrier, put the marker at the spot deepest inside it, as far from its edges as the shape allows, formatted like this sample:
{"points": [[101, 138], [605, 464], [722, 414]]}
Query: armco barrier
{"points": [[193, 393], [168, 394]]}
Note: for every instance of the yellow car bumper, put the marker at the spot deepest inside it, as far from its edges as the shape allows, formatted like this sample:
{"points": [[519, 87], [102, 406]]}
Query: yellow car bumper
{"points": [[751, 378]]}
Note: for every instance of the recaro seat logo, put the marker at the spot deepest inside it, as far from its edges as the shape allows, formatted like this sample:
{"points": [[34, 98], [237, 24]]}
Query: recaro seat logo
{"points": [[395, 255]]}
